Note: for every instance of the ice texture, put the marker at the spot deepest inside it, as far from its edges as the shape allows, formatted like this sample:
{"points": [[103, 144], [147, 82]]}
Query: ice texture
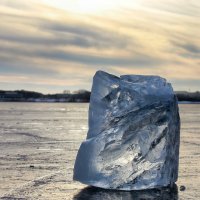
{"points": [[134, 134]]}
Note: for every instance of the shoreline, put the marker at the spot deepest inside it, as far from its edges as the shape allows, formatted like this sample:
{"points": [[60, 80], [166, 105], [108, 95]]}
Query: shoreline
{"points": [[57, 101]]}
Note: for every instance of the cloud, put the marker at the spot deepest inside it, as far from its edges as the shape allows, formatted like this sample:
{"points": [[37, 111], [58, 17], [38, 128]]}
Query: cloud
{"points": [[190, 50], [88, 35], [39, 41], [26, 68]]}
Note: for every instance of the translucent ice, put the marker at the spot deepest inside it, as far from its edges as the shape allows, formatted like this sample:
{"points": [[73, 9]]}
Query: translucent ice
{"points": [[133, 137]]}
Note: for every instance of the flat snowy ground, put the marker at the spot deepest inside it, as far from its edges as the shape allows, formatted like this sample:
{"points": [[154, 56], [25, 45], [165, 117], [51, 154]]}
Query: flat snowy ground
{"points": [[38, 146]]}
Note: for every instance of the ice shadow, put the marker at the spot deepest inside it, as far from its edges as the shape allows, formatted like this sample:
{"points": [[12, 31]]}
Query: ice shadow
{"points": [[93, 193]]}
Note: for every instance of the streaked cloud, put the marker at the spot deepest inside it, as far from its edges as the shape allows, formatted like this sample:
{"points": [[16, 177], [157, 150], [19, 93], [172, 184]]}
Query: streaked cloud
{"points": [[56, 46]]}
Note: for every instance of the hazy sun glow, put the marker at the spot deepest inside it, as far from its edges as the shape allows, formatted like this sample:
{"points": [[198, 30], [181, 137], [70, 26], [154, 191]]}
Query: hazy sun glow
{"points": [[87, 6]]}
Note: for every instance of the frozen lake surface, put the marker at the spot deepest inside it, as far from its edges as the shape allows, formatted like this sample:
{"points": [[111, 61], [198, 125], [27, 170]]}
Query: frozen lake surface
{"points": [[38, 146]]}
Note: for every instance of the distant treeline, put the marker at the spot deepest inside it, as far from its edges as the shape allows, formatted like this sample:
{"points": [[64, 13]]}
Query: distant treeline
{"points": [[30, 96], [188, 96], [67, 96]]}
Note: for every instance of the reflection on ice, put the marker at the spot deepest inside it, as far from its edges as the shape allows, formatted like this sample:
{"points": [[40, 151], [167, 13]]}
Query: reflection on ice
{"points": [[93, 193]]}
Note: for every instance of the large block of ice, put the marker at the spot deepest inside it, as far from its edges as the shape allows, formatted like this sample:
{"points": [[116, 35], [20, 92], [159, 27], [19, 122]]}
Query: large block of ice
{"points": [[133, 137]]}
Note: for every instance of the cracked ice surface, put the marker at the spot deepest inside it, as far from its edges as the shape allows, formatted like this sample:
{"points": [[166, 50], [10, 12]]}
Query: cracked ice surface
{"points": [[133, 137]]}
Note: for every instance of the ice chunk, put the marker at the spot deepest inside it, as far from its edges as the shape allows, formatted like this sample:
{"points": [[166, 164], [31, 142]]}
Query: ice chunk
{"points": [[133, 137]]}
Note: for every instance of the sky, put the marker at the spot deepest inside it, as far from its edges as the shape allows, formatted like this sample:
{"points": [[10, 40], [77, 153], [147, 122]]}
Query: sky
{"points": [[55, 45]]}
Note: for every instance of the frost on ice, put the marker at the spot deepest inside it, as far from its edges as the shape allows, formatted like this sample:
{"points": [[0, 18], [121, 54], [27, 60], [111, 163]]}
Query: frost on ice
{"points": [[133, 137]]}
